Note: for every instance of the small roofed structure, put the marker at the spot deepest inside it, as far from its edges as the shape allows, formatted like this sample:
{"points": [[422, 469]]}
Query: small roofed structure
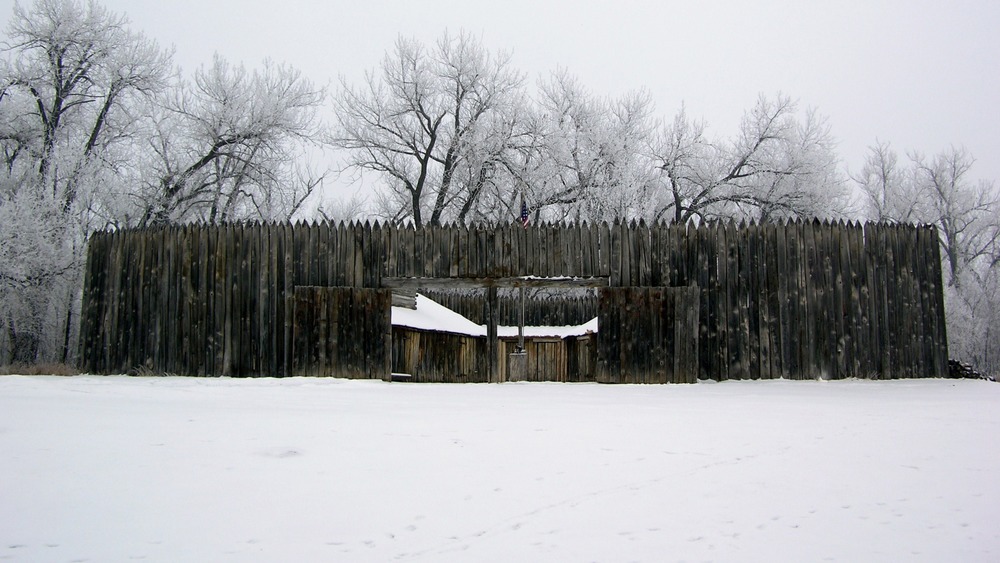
{"points": [[431, 343]]}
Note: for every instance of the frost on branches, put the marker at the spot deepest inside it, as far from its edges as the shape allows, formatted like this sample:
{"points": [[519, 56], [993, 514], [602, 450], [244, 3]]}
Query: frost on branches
{"points": [[99, 130]]}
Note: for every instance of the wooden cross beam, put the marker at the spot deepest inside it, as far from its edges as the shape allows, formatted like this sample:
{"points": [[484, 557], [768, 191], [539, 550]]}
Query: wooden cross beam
{"points": [[472, 283]]}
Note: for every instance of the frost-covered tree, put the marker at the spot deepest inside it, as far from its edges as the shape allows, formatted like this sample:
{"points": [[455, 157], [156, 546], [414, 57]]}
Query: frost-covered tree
{"points": [[230, 145], [973, 315], [450, 135], [887, 187], [98, 130], [343, 210], [965, 211], [74, 76], [426, 123], [590, 164], [682, 155], [938, 191], [779, 165], [37, 267]]}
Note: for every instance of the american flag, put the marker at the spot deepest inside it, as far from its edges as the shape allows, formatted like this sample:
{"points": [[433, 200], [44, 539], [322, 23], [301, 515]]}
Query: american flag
{"points": [[524, 214]]}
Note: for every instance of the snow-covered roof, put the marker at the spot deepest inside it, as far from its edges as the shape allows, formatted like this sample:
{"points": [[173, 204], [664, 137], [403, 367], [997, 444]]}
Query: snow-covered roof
{"points": [[431, 315], [550, 331]]}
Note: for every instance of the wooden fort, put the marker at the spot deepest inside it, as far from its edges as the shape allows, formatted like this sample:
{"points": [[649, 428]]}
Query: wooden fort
{"points": [[674, 303]]}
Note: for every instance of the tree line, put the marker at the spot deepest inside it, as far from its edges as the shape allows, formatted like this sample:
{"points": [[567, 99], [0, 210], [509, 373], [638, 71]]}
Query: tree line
{"points": [[100, 129]]}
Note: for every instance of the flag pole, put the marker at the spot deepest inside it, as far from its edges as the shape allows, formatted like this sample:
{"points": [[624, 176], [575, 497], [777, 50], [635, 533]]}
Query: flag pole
{"points": [[520, 290]]}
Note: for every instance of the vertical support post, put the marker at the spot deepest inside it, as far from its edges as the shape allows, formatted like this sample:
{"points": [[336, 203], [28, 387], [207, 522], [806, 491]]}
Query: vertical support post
{"points": [[520, 320], [492, 347], [386, 311], [517, 362]]}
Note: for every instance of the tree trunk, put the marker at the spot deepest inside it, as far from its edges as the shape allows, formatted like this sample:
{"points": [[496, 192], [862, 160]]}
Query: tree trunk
{"points": [[415, 201], [7, 354], [24, 346], [68, 332]]}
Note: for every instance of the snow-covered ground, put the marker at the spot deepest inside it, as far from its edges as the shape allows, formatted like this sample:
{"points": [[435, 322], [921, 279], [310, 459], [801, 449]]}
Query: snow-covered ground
{"points": [[177, 469]]}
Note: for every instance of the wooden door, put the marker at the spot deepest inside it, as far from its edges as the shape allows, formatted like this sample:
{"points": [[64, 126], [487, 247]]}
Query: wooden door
{"points": [[647, 335], [342, 332]]}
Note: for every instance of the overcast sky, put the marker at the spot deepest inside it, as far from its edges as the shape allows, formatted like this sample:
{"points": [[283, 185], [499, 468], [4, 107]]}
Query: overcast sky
{"points": [[922, 75]]}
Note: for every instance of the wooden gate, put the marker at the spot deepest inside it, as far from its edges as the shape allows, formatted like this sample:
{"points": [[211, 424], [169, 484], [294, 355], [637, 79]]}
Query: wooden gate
{"points": [[342, 332], [647, 335]]}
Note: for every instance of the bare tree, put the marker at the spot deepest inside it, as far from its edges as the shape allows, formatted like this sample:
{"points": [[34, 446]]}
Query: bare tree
{"points": [[681, 153], [36, 263], [888, 187], [73, 78], [805, 180], [967, 215], [77, 65], [964, 211], [343, 210], [228, 145], [420, 121], [777, 166], [589, 164]]}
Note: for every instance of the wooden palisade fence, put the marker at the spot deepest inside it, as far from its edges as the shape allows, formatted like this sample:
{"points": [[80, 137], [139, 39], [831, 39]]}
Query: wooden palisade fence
{"points": [[795, 300]]}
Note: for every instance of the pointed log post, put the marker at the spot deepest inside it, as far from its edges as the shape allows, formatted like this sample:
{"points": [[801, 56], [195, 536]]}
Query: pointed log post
{"points": [[490, 313]]}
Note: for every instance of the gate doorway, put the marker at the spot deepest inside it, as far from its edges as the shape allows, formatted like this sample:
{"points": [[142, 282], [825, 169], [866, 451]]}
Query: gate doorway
{"points": [[496, 365], [645, 334]]}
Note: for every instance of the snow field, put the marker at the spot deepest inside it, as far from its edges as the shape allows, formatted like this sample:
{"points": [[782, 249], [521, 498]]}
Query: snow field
{"points": [[183, 469]]}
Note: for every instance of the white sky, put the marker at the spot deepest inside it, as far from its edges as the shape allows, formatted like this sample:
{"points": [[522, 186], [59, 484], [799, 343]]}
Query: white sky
{"points": [[922, 75]]}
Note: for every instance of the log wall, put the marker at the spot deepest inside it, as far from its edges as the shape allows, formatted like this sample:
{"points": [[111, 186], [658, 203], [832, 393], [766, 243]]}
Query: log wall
{"points": [[796, 300]]}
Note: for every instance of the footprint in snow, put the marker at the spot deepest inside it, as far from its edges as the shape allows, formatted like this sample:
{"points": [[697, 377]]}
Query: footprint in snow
{"points": [[281, 453]]}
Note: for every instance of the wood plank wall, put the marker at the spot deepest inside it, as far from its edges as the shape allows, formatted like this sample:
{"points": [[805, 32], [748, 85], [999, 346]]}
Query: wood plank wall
{"points": [[341, 331], [438, 357], [648, 335], [796, 300], [441, 357]]}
